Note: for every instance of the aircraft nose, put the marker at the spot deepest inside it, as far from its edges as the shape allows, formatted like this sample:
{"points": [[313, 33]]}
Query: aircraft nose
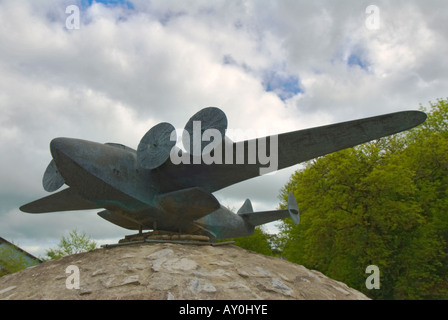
{"points": [[67, 151], [74, 158], [58, 146]]}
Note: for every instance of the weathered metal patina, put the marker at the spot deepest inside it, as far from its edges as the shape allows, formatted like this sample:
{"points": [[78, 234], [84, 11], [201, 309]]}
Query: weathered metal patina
{"points": [[144, 190]]}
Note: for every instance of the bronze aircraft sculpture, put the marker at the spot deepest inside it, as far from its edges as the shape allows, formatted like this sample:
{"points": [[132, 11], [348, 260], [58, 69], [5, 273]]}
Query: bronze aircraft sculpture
{"points": [[161, 186]]}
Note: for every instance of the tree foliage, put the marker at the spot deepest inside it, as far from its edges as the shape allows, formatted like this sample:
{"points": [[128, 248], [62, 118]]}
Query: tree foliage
{"points": [[11, 261], [383, 203], [74, 243], [259, 242]]}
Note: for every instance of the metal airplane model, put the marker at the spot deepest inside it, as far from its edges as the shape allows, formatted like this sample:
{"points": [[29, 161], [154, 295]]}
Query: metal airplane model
{"points": [[162, 187]]}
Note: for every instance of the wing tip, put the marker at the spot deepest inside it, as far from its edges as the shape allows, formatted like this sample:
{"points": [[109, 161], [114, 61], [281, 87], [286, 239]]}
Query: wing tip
{"points": [[25, 208]]}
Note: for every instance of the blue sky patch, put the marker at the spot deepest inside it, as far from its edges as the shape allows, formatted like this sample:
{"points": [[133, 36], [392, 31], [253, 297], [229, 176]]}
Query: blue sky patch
{"points": [[281, 83], [123, 3], [357, 60], [284, 85]]}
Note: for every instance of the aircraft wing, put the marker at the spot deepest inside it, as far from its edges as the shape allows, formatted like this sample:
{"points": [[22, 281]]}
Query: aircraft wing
{"points": [[293, 148], [64, 200]]}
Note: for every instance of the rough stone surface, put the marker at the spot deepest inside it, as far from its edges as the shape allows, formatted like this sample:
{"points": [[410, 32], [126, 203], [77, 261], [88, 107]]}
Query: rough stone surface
{"points": [[172, 271]]}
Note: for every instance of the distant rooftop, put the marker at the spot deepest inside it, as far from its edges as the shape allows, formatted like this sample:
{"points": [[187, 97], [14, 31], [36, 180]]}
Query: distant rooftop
{"points": [[13, 258]]}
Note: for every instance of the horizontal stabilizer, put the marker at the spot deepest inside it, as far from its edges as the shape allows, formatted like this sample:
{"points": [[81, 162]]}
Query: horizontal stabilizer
{"points": [[262, 217], [65, 200], [190, 204]]}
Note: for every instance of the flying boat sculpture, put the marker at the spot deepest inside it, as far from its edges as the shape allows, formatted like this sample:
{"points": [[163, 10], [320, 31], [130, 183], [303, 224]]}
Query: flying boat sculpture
{"points": [[165, 185]]}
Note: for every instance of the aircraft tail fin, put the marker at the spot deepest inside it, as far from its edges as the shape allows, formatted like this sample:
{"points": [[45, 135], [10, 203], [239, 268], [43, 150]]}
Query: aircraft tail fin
{"points": [[246, 207]]}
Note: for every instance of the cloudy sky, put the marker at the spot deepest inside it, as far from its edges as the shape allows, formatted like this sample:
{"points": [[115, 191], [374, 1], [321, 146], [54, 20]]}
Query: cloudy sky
{"points": [[128, 65]]}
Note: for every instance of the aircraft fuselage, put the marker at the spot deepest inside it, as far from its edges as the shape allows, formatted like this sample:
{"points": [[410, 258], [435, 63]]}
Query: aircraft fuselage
{"points": [[108, 175]]}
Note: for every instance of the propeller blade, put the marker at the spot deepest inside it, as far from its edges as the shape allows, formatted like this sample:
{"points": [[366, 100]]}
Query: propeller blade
{"points": [[52, 179], [155, 146], [208, 118]]}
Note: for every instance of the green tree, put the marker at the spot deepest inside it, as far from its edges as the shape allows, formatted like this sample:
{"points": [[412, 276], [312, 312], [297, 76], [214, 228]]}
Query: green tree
{"points": [[74, 243], [382, 203], [426, 274], [258, 242], [11, 262]]}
